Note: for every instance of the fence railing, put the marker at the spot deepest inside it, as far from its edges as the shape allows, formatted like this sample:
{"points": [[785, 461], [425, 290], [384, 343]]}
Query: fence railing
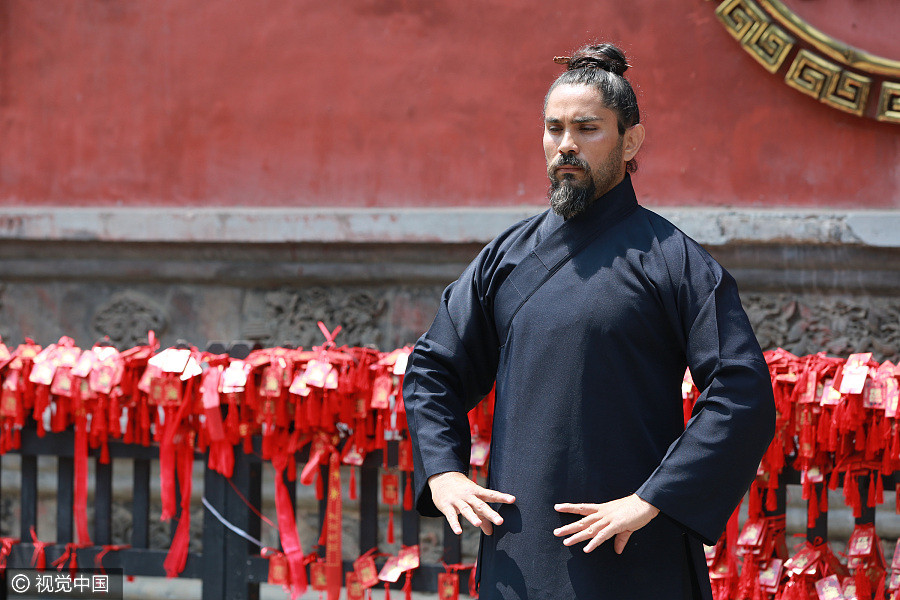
{"points": [[230, 565]]}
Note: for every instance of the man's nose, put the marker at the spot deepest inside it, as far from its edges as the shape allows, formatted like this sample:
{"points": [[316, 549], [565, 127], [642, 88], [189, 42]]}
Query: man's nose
{"points": [[567, 144]]}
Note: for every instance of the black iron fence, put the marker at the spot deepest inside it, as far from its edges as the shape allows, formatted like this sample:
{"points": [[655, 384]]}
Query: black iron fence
{"points": [[229, 565]]}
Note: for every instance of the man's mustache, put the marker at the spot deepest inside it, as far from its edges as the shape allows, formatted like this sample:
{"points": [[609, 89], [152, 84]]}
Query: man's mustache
{"points": [[568, 160]]}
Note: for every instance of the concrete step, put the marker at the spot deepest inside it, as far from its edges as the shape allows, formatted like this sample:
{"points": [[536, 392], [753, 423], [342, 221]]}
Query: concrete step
{"points": [[161, 588]]}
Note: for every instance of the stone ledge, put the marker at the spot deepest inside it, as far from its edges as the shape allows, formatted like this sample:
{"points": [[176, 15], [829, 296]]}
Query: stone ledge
{"points": [[711, 226], [161, 588]]}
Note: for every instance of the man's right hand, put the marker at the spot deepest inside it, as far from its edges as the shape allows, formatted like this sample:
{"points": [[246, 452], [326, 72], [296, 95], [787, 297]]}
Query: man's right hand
{"points": [[455, 494]]}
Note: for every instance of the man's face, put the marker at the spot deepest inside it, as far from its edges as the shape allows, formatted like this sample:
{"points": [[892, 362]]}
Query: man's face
{"points": [[583, 147]]}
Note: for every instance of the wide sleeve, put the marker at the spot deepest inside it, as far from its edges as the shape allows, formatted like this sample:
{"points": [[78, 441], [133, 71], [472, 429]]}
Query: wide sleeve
{"points": [[707, 470], [451, 368]]}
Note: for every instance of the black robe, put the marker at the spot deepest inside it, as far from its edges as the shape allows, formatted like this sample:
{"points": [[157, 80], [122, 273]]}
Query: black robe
{"points": [[587, 326]]}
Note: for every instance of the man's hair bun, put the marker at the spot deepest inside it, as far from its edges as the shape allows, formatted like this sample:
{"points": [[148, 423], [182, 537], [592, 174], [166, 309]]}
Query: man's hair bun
{"points": [[599, 56]]}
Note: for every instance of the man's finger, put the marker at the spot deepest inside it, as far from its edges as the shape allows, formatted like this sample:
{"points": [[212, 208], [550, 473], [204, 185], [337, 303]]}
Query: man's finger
{"points": [[578, 509], [606, 533], [450, 513], [487, 528], [494, 496], [576, 526], [586, 533], [581, 536], [621, 540], [466, 511], [483, 509]]}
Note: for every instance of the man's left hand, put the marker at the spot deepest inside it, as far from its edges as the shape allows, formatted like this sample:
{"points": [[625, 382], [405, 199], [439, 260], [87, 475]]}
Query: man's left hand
{"points": [[618, 518]]}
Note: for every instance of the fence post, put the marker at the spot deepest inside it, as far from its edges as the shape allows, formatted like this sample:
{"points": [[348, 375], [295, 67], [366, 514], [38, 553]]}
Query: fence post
{"points": [[368, 502], [247, 479], [103, 503], [29, 495], [140, 531], [213, 562], [65, 498]]}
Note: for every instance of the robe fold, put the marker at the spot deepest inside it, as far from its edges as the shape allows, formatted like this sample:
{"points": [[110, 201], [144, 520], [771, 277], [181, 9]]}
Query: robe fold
{"points": [[586, 325]]}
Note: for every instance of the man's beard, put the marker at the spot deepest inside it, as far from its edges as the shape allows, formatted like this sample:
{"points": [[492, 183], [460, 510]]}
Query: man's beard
{"points": [[569, 196]]}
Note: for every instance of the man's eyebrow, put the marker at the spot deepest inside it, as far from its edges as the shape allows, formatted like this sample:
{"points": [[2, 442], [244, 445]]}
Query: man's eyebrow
{"points": [[585, 119]]}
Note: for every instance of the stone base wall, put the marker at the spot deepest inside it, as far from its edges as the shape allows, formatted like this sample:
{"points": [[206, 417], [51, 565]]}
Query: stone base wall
{"points": [[823, 282]]}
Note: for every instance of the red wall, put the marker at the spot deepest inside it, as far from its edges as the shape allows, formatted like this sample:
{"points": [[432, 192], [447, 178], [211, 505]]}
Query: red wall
{"points": [[399, 103]]}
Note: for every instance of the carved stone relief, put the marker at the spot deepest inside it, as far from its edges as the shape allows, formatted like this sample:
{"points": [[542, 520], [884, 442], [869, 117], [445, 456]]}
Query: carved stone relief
{"points": [[803, 324], [835, 324], [291, 315], [127, 317]]}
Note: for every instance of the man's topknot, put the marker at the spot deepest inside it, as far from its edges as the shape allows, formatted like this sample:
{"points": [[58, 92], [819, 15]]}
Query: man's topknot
{"points": [[599, 56]]}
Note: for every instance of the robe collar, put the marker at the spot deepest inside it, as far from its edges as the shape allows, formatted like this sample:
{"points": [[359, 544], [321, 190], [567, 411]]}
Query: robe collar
{"points": [[614, 205]]}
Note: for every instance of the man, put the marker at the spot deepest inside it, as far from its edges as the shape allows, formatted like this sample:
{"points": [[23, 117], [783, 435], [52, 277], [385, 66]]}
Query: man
{"points": [[586, 317]]}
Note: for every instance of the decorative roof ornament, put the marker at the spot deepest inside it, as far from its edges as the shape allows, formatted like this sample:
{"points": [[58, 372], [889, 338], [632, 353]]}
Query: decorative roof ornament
{"points": [[814, 63]]}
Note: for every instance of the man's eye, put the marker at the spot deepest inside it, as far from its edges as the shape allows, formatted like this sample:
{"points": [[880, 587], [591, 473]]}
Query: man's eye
{"points": [[588, 128]]}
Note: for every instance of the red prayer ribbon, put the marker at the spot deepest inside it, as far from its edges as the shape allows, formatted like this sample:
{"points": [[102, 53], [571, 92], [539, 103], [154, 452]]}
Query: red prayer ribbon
{"points": [[287, 529], [6, 545], [333, 558], [178, 551], [98, 560], [79, 504], [70, 555], [39, 557]]}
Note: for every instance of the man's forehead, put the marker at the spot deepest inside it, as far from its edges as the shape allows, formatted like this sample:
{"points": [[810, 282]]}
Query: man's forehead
{"points": [[596, 115], [576, 102]]}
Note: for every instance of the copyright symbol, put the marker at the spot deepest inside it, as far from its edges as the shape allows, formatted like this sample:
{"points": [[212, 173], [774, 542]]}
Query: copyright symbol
{"points": [[20, 583]]}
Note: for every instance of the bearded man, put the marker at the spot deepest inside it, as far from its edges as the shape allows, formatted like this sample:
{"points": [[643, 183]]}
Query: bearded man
{"points": [[586, 316]]}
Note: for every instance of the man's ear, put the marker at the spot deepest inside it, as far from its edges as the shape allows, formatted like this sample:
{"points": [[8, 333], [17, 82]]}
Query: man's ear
{"points": [[634, 138]]}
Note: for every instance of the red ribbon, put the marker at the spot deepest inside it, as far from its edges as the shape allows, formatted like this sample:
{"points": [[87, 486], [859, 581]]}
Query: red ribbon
{"points": [[287, 529], [70, 555], [252, 508], [352, 483], [221, 452], [98, 560], [79, 504], [329, 335], [167, 455], [408, 493], [311, 469], [333, 558], [39, 558], [178, 551], [407, 586], [6, 545], [41, 403]]}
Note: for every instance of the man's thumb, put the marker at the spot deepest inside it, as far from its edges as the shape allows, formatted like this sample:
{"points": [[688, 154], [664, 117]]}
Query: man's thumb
{"points": [[621, 540]]}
